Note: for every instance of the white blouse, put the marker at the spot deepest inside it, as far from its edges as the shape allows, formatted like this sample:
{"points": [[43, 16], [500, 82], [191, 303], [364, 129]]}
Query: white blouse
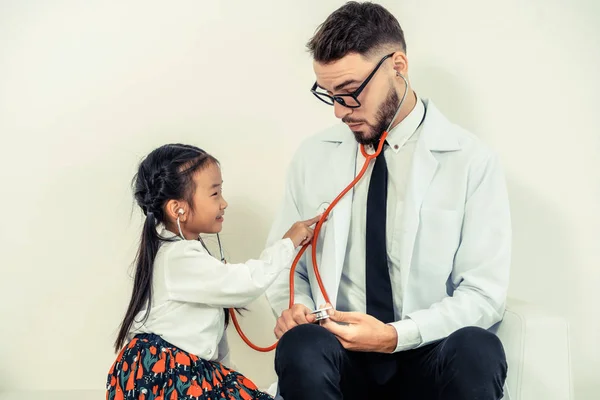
{"points": [[191, 288]]}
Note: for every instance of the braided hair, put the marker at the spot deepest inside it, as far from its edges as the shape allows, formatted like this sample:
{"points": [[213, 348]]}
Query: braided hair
{"points": [[164, 174]]}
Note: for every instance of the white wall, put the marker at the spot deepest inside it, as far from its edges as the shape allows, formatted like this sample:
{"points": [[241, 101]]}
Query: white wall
{"points": [[88, 88]]}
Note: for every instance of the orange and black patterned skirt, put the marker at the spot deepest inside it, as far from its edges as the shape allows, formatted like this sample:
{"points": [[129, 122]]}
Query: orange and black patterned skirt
{"points": [[148, 368]]}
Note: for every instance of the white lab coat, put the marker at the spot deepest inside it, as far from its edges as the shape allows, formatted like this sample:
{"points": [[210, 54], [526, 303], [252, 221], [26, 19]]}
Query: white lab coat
{"points": [[456, 236]]}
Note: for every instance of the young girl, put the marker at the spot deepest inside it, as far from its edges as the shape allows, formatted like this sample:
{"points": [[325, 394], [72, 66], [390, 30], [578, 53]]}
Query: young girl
{"points": [[177, 315]]}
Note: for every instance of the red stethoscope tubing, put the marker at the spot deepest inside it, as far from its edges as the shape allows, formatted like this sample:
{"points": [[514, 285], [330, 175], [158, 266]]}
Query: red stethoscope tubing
{"points": [[368, 158]]}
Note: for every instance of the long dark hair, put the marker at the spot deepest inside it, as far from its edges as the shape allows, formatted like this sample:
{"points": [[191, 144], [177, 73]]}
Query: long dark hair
{"points": [[165, 174]]}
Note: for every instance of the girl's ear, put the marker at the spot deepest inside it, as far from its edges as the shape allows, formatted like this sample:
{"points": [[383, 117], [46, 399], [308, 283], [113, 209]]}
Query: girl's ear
{"points": [[175, 209]]}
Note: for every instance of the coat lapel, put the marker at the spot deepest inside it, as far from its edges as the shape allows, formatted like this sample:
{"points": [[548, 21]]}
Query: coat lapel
{"points": [[436, 136], [342, 166]]}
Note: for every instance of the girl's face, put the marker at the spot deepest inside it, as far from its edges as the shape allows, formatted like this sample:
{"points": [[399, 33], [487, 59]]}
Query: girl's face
{"points": [[208, 204]]}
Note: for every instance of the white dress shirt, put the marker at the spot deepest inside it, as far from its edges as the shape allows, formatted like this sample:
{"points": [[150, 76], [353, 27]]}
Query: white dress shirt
{"points": [[352, 290], [191, 289]]}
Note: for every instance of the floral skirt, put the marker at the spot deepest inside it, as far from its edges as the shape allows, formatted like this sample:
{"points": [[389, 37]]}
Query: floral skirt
{"points": [[148, 368]]}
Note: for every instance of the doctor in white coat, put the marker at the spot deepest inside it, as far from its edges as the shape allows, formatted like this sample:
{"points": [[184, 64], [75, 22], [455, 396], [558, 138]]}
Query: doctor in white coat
{"points": [[415, 259]]}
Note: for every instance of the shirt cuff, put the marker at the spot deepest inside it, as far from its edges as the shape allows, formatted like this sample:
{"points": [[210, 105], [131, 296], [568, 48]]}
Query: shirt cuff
{"points": [[409, 336]]}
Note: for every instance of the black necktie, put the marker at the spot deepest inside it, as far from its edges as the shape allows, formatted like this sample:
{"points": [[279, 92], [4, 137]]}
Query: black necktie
{"points": [[378, 284]]}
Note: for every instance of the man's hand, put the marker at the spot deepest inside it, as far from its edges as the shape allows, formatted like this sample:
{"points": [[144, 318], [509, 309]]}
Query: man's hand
{"points": [[297, 315], [362, 332]]}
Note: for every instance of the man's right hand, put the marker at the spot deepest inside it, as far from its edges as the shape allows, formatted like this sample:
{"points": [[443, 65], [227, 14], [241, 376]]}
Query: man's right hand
{"points": [[297, 315]]}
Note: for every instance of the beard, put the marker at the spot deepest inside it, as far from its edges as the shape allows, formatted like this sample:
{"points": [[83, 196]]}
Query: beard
{"points": [[371, 135]]}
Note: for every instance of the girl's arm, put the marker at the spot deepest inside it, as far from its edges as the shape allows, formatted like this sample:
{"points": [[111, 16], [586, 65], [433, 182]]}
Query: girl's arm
{"points": [[192, 275]]}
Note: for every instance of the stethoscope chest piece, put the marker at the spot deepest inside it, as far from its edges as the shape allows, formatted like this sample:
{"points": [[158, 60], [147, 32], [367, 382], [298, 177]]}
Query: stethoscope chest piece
{"points": [[321, 313], [322, 208]]}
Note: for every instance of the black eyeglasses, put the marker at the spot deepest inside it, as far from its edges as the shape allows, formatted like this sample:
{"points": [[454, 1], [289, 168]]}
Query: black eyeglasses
{"points": [[349, 100]]}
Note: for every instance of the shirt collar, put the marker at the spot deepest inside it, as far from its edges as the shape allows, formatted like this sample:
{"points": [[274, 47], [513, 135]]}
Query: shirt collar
{"points": [[163, 232], [400, 134]]}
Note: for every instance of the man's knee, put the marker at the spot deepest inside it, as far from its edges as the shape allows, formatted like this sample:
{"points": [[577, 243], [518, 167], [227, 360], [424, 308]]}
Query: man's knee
{"points": [[308, 362], [478, 348], [474, 365], [305, 346]]}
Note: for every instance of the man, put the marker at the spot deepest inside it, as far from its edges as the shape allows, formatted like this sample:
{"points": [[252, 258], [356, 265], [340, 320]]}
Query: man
{"points": [[415, 259]]}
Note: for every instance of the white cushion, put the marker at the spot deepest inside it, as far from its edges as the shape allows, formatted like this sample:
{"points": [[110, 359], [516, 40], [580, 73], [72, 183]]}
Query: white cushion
{"points": [[536, 343]]}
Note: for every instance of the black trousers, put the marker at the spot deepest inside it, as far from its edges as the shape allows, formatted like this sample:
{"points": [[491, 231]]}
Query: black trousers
{"points": [[469, 364]]}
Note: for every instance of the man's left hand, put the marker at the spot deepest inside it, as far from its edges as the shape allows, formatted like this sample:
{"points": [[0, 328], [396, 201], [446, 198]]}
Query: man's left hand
{"points": [[362, 332]]}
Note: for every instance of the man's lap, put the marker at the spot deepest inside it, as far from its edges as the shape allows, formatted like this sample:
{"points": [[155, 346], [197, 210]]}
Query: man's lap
{"points": [[309, 350]]}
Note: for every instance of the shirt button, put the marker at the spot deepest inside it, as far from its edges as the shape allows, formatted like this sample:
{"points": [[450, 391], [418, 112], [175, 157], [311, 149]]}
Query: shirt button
{"points": [[395, 147]]}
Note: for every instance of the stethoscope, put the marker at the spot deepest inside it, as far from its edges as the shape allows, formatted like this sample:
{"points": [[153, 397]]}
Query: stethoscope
{"points": [[321, 313], [220, 247], [181, 212]]}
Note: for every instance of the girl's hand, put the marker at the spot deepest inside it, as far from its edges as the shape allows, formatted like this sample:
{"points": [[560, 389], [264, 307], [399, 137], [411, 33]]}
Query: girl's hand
{"points": [[301, 232]]}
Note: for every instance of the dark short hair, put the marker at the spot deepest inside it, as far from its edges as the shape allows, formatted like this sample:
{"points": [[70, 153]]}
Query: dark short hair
{"points": [[363, 28]]}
